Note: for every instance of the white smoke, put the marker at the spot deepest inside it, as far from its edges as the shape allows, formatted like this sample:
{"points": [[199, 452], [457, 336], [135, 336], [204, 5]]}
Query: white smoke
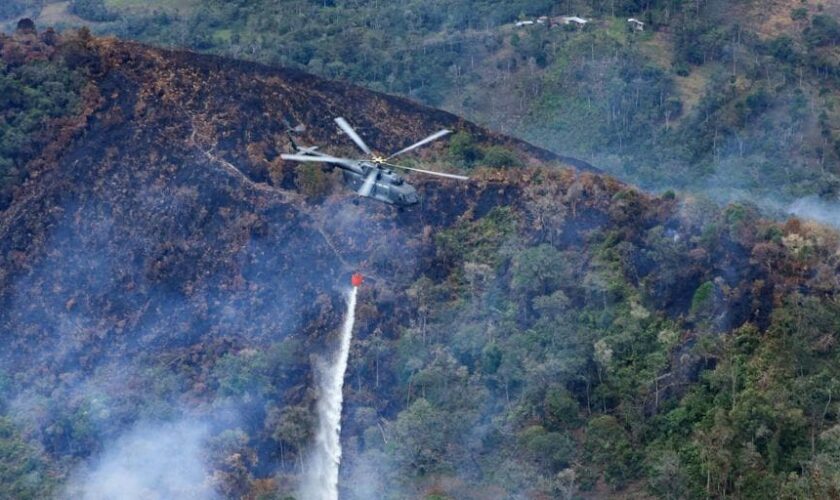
{"points": [[822, 210], [151, 462], [320, 481], [813, 207]]}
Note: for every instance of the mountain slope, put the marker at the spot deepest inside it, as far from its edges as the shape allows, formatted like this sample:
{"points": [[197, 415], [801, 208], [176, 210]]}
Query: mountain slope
{"points": [[535, 332], [696, 101]]}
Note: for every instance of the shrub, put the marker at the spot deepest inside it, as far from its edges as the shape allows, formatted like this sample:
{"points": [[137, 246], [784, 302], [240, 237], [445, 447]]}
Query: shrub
{"points": [[498, 156], [758, 102], [703, 297], [799, 14], [463, 150], [824, 31], [681, 69], [782, 49]]}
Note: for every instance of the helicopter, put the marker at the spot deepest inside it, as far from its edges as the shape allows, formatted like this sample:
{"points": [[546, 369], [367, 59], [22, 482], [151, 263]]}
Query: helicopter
{"points": [[373, 177]]}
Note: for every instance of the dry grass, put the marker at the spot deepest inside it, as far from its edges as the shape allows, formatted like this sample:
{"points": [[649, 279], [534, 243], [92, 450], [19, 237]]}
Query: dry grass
{"points": [[771, 18], [660, 49], [145, 6], [58, 13], [692, 87]]}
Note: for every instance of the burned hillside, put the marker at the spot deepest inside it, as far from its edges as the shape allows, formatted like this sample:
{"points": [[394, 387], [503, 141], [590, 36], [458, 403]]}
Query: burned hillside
{"points": [[535, 330]]}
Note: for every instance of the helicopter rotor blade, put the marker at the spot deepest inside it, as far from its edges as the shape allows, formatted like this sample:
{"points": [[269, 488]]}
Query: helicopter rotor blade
{"points": [[437, 135], [370, 180], [321, 159], [342, 123], [351, 164], [430, 172]]}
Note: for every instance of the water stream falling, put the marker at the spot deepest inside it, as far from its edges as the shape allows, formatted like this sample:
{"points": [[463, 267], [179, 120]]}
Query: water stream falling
{"points": [[320, 480]]}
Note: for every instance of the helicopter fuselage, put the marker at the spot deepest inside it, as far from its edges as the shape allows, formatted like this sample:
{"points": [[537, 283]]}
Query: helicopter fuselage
{"points": [[389, 186], [371, 177]]}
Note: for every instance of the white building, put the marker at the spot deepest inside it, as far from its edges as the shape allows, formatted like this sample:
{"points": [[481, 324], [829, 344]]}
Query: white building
{"points": [[574, 20], [636, 24], [555, 21]]}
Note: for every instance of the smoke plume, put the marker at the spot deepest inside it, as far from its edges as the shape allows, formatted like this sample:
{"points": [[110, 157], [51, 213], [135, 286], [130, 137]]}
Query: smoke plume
{"points": [[152, 461], [813, 207]]}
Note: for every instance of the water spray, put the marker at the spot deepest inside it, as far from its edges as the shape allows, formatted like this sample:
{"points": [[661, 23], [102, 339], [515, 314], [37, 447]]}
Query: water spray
{"points": [[320, 480]]}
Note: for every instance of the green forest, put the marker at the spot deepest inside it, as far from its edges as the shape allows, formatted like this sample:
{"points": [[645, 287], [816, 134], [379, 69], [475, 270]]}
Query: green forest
{"points": [[540, 333], [33, 94]]}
